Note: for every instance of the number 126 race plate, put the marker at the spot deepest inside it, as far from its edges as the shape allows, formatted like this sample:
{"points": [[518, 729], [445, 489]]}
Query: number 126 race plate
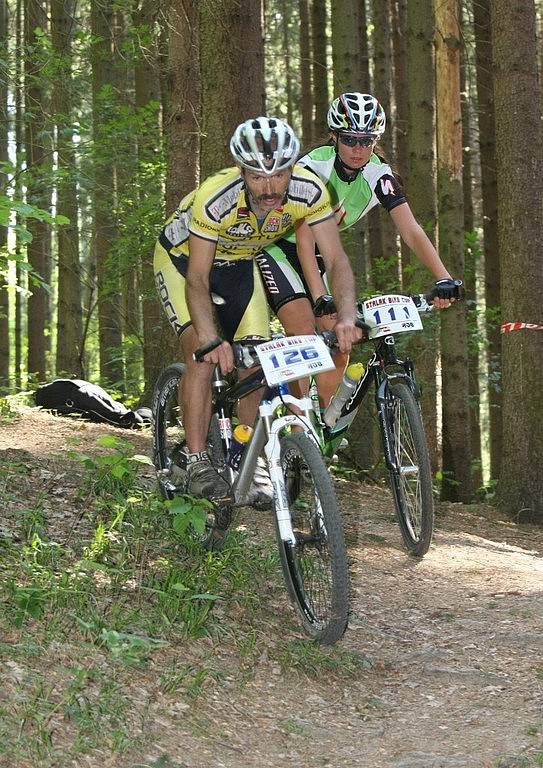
{"points": [[293, 357]]}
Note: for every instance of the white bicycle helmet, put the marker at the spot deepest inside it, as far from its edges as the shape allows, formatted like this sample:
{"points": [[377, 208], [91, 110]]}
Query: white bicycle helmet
{"points": [[265, 144], [357, 112]]}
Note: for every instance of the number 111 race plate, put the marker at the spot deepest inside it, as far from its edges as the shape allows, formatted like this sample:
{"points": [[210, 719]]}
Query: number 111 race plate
{"points": [[293, 357]]}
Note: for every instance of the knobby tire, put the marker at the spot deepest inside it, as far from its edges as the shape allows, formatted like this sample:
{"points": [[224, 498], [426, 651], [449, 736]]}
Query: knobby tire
{"points": [[315, 570]]}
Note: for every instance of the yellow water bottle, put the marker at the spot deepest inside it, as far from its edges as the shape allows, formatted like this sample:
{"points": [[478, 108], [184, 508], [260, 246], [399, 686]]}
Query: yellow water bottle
{"points": [[240, 437]]}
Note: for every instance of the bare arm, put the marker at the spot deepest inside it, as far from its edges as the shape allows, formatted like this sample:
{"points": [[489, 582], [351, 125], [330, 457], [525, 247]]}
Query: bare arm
{"points": [[417, 240], [305, 247], [202, 253]]}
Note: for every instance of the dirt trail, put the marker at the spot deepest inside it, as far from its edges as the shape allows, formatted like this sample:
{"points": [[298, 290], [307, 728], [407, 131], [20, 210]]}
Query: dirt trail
{"points": [[455, 643]]}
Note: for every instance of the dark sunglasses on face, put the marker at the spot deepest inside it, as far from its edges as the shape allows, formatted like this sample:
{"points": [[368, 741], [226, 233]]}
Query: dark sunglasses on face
{"points": [[352, 141]]}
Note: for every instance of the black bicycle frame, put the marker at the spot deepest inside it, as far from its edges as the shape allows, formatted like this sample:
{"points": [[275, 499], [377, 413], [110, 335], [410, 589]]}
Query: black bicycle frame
{"points": [[383, 358]]}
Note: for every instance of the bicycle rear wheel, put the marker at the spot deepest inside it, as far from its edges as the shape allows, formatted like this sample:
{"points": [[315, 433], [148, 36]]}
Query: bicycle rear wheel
{"points": [[315, 568], [411, 482], [168, 444]]}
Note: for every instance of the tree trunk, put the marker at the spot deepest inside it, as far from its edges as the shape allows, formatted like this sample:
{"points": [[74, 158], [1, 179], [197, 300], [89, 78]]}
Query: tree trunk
{"points": [[305, 74], [38, 251], [320, 66], [470, 254], [104, 224], [345, 45], [4, 301], [487, 148], [229, 65], [519, 154], [136, 30], [422, 193], [457, 482], [286, 45], [382, 55], [69, 318], [20, 275], [399, 54], [157, 351]]}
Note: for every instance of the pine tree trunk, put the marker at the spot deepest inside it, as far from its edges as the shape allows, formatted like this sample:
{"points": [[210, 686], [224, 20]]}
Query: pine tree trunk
{"points": [[388, 271], [286, 57], [320, 65], [4, 301], [305, 74], [519, 154], [69, 318], [20, 275], [156, 351], [231, 62], [37, 158], [470, 251], [345, 45], [487, 146], [422, 192], [104, 224], [130, 30], [457, 482]]}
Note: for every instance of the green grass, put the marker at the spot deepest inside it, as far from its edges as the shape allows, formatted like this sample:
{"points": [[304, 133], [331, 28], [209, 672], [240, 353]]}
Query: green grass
{"points": [[102, 588]]}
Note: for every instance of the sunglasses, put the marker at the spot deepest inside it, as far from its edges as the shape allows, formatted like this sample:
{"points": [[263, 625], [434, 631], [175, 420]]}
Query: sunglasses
{"points": [[352, 141]]}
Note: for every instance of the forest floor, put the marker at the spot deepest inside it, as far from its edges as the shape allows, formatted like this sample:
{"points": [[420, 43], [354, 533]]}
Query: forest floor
{"points": [[121, 649]]}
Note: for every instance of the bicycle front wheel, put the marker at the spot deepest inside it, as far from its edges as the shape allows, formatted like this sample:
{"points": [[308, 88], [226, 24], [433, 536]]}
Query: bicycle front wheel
{"points": [[411, 479], [315, 568], [169, 443]]}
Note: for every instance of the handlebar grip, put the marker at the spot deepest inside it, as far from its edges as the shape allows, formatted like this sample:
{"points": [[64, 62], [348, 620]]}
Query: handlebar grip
{"points": [[329, 338], [201, 352], [434, 292]]}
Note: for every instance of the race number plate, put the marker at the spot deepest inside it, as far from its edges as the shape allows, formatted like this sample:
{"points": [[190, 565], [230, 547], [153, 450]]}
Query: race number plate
{"points": [[293, 357], [391, 314]]}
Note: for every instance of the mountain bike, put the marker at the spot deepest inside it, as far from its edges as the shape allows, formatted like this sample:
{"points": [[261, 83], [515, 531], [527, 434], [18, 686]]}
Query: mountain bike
{"points": [[308, 523], [397, 399]]}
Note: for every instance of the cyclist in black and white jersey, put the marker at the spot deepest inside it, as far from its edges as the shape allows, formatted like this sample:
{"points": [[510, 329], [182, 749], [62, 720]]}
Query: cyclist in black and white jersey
{"points": [[357, 180]]}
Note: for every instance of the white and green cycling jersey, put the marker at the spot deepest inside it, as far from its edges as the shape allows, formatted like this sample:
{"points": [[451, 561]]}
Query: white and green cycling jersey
{"points": [[351, 197]]}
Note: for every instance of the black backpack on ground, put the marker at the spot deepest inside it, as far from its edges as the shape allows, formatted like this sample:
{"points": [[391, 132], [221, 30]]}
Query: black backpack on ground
{"points": [[77, 397]]}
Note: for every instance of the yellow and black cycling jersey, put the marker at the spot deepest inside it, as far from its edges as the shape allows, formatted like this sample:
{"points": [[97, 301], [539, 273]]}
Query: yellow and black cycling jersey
{"points": [[218, 211]]}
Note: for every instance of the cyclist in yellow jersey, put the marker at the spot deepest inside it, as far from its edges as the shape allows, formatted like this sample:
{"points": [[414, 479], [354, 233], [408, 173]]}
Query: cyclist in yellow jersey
{"points": [[210, 245]]}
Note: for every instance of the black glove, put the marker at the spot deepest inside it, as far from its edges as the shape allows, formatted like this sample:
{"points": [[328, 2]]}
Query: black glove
{"points": [[324, 305], [447, 289]]}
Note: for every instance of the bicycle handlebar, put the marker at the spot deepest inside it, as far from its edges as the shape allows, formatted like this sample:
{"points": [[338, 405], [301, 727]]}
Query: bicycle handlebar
{"points": [[244, 350]]}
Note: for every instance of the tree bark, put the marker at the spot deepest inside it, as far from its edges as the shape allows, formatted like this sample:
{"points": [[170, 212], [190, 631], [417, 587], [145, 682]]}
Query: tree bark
{"points": [[487, 148], [20, 274], [69, 317], [457, 482], [345, 45], [422, 193], [519, 154], [470, 256], [37, 159], [305, 74], [231, 62], [103, 198], [4, 296], [320, 66], [388, 268]]}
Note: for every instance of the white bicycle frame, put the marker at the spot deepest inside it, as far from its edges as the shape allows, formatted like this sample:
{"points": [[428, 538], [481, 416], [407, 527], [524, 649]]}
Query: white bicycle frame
{"points": [[266, 436]]}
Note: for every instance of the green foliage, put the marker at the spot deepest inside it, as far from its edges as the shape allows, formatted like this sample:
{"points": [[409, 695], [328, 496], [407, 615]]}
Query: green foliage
{"points": [[6, 411], [130, 649], [112, 473], [188, 512]]}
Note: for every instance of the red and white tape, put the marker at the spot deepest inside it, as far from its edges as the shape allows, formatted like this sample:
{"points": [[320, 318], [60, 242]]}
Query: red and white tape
{"points": [[506, 327]]}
